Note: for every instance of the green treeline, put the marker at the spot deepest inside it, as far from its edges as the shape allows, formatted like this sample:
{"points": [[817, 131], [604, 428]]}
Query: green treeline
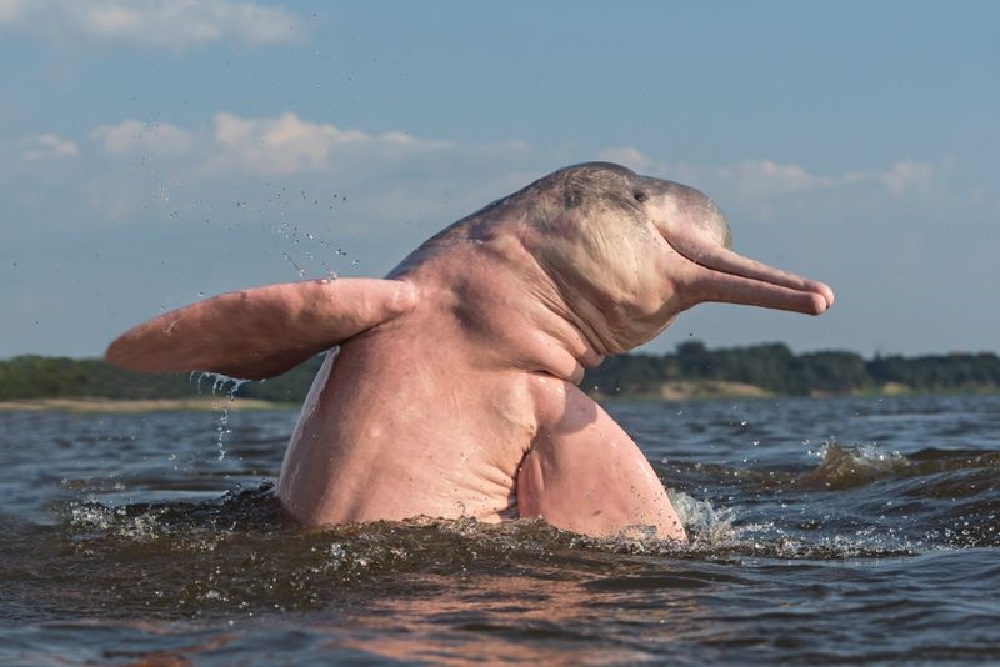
{"points": [[772, 367], [33, 377], [775, 368]]}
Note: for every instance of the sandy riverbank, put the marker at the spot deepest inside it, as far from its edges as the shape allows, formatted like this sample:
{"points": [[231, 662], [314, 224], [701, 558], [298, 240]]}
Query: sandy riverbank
{"points": [[677, 390], [680, 390], [668, 391], [111, 405]]}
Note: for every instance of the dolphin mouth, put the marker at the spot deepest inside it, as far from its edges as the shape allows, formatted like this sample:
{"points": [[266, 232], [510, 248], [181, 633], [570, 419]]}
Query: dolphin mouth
{"points": [[725, 276]]}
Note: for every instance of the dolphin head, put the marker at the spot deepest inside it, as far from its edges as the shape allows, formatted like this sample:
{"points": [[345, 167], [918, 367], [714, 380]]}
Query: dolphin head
{"points": [[626, 253]]}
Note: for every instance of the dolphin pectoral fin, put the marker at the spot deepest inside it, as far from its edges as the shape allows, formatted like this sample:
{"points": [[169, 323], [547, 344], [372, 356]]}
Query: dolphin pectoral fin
{"points": [[264, 331], [586, 475]]}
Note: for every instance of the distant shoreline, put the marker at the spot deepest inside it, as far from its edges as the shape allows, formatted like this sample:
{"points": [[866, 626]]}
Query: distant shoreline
{"points": [[674, 390], [695, 390], [206, 403], [693, 372]]}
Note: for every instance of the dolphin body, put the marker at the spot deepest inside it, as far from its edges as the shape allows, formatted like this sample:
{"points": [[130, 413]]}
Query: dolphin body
{"points": [[454, 391]]}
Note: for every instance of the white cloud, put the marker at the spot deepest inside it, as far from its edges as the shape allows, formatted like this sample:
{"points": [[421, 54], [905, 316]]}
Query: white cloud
{"points": [[283, 145], [13, 10], [245, 156], [631, 157], [764, 187], [759, 184], [760, 176], [908, 176], [288, 144], [398, 176], [48, 147], [168, 24], [132, 136]]}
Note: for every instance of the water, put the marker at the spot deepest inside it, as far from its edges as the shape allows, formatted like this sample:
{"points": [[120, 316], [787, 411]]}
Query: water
{"points": [[846, 531]]}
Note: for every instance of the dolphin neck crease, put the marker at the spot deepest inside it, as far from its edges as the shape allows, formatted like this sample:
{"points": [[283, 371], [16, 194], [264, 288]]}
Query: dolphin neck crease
{"points": [[550, 338]]}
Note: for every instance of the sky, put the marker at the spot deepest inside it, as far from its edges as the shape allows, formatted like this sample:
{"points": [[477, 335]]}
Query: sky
{"points": [[153, 152]]}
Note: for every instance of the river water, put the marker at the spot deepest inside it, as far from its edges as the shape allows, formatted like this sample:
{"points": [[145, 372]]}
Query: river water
{"points": [[835, 530]]}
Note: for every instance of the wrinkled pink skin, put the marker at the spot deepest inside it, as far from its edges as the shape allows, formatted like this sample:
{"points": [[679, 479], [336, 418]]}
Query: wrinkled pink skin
{"points": [[454, 390]]}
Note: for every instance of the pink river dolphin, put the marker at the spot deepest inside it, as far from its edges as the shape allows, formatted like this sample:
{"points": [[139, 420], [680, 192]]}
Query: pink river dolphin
{"points": [[454, 389]]}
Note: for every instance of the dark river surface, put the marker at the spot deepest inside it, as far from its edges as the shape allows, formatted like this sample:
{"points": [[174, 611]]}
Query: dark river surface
{"points": [[825, 531]]}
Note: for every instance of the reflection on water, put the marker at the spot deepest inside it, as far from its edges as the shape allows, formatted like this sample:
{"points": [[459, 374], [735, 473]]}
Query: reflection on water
{"points": [[834, 530]]}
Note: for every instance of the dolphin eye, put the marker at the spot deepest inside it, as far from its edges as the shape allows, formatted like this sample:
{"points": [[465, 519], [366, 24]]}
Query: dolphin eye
{"points": [[640, 195]]}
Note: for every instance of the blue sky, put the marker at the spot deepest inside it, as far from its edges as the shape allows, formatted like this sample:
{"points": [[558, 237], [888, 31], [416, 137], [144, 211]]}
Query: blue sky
{"points": [[155, 151]]}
